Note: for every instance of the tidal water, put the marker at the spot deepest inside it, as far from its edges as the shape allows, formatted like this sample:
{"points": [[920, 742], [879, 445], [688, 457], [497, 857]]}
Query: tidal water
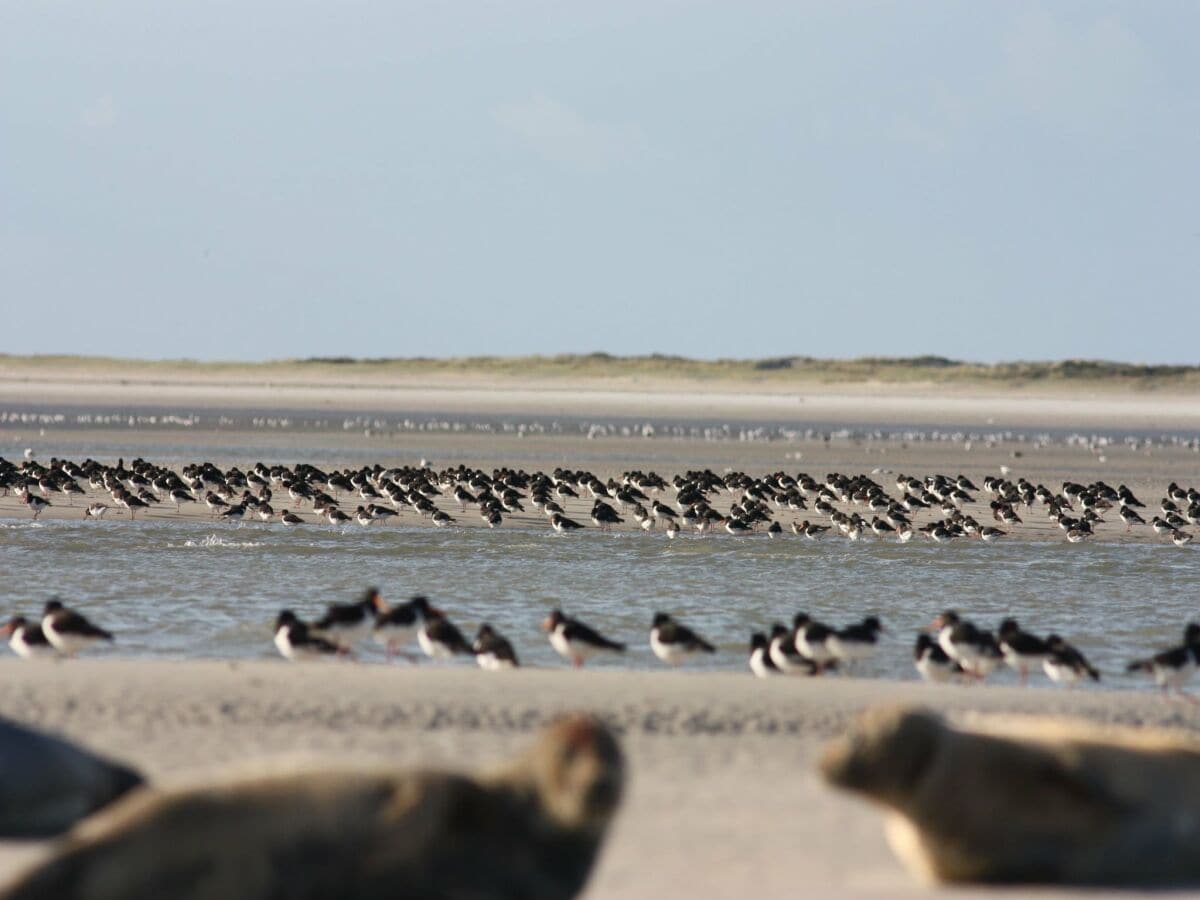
{"points": [[179, 589]]}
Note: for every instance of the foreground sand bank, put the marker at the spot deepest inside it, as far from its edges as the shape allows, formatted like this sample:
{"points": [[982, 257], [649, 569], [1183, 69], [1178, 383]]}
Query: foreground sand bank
{"points": [[722, 764]]}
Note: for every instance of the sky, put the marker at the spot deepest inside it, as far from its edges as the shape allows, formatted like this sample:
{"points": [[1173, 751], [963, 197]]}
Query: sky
{"points": [[981, 180]]}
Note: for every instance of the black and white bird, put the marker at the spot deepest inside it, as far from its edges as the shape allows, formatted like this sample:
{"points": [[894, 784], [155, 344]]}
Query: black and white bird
{"points": [[562, 524], [783, 653], [674, 643], [296, 643], [439, 638], [1022, 650], [36, 503], [68, 631], [27, 639], [856, 642], [604, 515], [348, 623], [1173, 668], [812, 640], [396, 625], [932, 663], [972, 648], [493, 651], [1065, 664], [760, 658], [575, 641]]}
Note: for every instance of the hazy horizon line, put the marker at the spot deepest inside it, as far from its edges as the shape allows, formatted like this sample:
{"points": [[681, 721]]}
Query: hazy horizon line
{"points": [[764, 363]]}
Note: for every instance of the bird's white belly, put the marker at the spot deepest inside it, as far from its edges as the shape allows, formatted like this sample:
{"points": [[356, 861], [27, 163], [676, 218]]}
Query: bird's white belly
{"points": [[67, 643], [1059, 673], [26, 650], [432, 648], [932, 671], [283, 644], [816, 652], [671, 654], [493, 663], [758, 665]]}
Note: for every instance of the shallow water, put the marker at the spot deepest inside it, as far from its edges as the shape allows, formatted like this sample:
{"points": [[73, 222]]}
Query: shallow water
{"points": [[186, 589]]}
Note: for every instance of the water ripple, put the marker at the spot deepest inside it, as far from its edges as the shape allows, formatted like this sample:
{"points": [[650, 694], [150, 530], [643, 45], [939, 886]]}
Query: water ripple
{"points": [[165, 599]]}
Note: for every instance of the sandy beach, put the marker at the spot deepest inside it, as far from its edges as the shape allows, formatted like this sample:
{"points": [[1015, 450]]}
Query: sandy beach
{"points": [[884, 403], [722, 765]]}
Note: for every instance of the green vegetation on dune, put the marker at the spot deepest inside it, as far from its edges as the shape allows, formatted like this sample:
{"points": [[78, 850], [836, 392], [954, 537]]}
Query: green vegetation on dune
{"points": [[774, 370]]}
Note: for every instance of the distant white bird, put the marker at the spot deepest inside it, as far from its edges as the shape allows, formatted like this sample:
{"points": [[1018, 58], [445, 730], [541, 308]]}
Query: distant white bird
{"points": [[29, 453]]}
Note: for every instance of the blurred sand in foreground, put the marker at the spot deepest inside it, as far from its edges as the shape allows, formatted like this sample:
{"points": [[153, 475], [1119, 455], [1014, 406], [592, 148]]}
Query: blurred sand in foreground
{"points": [[724, 798]]}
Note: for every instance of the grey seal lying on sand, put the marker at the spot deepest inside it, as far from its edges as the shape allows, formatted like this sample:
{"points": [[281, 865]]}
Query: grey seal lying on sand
{"points": [[48, 784], [1033, 801], [530, 831]]}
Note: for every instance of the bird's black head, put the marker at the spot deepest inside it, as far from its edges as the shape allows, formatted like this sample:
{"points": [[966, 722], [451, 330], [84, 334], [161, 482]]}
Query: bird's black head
{"points": [[53, 605], [285, 617], [1191, 634], [13, 624], [553, 620], [485, 631], [420, 604], [1009, 627], [924, 642], [800, 620], [758, 641], [779, 630], [661, 618], [872, 623]]}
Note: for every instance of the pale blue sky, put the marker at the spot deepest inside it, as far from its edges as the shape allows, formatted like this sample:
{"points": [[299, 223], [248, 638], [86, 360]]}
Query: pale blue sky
{"points": [[231, 180]]}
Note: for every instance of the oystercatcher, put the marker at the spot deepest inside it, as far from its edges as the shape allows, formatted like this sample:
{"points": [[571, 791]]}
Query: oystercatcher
{"points": [[348, 623], [856, 642], [561, 523], [972, 648], [1021, 649], [575, 641], [27, 639], [493, 651], [761, 663], [396, 625], [439, 638], [812, 640], [68, 631], [783, 653], [36, 503], [1065, 664], [931, 661], [295, 643], [1173, 668], [674, 643]]}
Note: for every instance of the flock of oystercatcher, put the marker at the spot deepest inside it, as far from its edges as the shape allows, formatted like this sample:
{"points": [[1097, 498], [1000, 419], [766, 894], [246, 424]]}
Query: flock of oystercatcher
{"points": [[702, 502], [951, 649]]}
